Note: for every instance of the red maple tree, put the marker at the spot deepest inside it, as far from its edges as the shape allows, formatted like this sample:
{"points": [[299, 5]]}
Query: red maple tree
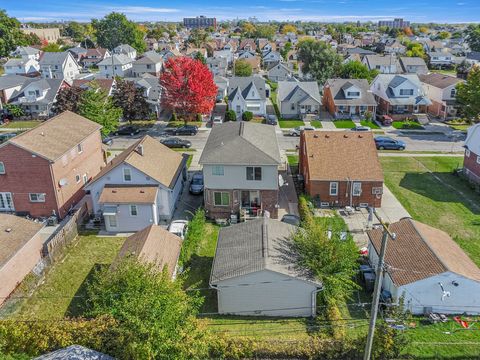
{"points": [[187, 87]]}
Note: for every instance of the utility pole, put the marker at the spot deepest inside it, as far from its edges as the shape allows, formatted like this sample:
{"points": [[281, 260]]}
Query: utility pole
{"points": [[378, 286]]}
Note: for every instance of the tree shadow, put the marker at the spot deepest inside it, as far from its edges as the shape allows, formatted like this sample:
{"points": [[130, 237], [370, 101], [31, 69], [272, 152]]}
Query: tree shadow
{"points": [[197, 276]]}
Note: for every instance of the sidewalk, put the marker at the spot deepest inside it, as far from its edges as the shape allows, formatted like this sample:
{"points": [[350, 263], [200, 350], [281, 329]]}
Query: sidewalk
{"points": [[287, 196]]}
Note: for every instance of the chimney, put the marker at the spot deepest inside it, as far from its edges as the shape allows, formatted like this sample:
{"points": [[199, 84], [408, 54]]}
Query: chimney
{"points": [[139, 149]]}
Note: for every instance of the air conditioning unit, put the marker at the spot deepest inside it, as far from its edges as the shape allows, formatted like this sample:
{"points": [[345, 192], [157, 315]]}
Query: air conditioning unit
{"points": [[377, 191]]}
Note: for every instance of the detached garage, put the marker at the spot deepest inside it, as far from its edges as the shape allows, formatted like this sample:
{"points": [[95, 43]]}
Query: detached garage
{"points": [[254, 272]]}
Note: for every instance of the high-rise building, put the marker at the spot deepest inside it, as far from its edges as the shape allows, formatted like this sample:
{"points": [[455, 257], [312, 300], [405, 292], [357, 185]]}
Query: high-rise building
{"points": [[395, 23], [199, 22]]}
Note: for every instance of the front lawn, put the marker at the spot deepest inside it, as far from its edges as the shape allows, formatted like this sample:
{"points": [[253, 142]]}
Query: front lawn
{"points": [[370, 124], [27, 124], [317, 124], [407, 125], [63, 291], [180, 123], [292, 159], [288, 124], [344, 124]]}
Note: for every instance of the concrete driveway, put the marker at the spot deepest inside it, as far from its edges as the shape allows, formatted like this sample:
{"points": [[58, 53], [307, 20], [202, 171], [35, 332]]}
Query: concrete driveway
{"points": [[188, 203]]}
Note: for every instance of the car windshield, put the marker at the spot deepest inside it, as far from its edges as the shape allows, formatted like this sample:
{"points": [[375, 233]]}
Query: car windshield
{"points": [[197, 181]]}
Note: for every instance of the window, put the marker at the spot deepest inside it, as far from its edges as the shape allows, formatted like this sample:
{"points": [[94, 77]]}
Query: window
{"points": [[293, 106], [453, 92], [85, 178], [357, 189], [353, 94], [254, 173], [79, 148], [406, 92], [6, 203], [334, 188], [37, 197], [218, 170], [77, 178], [2, 168], [478, 159], [127, 174], [221, 198], [133, 210], [467, 153]]}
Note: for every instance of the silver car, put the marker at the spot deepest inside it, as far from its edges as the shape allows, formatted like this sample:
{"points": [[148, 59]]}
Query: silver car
{"points": [[196, 185], [296, 131]]}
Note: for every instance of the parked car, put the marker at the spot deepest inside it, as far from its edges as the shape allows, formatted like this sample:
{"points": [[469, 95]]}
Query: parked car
{"points": [[291, 219], [6, 136], [185, 130], [173, 142], [385, 120], [298, 130], [107, 141], [196, 185], [179, 228], [127, 130], [387, 143], [271, 119], [217, 120], [361, 128]]}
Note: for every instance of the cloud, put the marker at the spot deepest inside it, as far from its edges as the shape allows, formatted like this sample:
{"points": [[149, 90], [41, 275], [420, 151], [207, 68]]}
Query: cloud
{"points": [[144, 9]]}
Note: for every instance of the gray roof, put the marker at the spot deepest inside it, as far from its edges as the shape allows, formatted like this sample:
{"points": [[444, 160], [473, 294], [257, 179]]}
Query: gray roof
{"points": [[337, 87], [360, 51], [124, 48], [412, 61], [287, 89], [15, 62], [256, 245], [118, 59], [52, 85], [474, 55], [241, 143], [74, 352], [390, 81], [26, 50], [78, 50], [244, 84], [10, 80], [150, 58], [54, 58], [374, 60]]}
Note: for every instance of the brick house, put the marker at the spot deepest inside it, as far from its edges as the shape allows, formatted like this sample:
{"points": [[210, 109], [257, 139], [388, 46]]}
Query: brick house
{"points": [[341, 168], [240, 168], [348, 97], [471, 162], [43, 171]]}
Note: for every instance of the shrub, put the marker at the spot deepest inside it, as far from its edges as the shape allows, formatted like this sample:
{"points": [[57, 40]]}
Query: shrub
{"points": [[173, 117], [304, 208], [230, 116], [247, 116], [199, 117], [196, 230]]}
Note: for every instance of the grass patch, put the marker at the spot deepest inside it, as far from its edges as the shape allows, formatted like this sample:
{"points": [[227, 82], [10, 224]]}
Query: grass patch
{"points": [[316, 124], [258, 120], [54, 298], [370, 124], [189, 161], [180, 123], [451, 72], [460, 127], [144, 123], [27, 124], [344, 124], [292, 159], [187, 150], [412, 125], [288, 124]]}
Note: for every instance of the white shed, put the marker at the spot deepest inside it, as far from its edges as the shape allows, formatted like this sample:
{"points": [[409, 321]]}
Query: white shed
{"points": [[254, 272], [428, 268]]}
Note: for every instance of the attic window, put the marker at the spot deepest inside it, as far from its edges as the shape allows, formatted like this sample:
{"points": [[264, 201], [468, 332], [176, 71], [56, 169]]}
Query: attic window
{"points": [[79, 148]]}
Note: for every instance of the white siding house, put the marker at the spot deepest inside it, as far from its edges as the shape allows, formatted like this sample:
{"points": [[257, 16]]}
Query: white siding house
{"points": [[247, 94]]}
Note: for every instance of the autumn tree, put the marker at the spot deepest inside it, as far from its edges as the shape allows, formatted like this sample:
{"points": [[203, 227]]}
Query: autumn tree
{"points": [[68, 98], [468, 95], [52, 47], [243, 68], [131, 100], [188, 88], [415, 50], [289, 28]]}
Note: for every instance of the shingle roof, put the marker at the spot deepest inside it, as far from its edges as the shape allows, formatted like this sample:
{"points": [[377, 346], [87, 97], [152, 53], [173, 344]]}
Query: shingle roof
{"points": [[159, 162], [150, 58], [412, 61], [287, 89], [440, 81], [53, 138], [10, 80], [118, 59], [244, 83], [241, 143], [338, 155], [473, 139], [255, 245], [128, 194], [21, 231], [124, 48], [153, 245], [374, 60], [420, 251], [54, 58], [337, 87]]}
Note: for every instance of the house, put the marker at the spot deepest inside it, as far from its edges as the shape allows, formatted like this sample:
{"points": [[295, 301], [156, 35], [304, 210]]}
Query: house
{"points": [[473, 58], [153, 245], [254, 62], [116, 65], [246, 54], [272, 57], [341, 168], [107, 85], [240, 168], [43, 170], [400, 96], [152, 91], [222, 87], [126, 50], [279, 72], [139, 187], [254, 273], [20, 250], [439, 59], [37, 96], [26, 52], [428, 268], [150, 63], [247, 94], [384, 64], [228, 54], [193, 52], [394, 47], [344, 98], [247, 45], [217, 65], [76, 352], [441, 90], [58, 65], [93, 56], [78, 53], [9, 86], [29, 67], [471, 163], [413, 65], [296, 99]]}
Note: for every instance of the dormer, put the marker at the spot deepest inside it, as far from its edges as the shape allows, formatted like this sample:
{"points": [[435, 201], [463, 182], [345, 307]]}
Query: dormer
{"points": [[350, 91]]}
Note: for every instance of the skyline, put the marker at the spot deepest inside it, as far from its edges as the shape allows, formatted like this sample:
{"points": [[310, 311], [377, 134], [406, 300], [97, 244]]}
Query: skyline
{"points": [[440, 11]]}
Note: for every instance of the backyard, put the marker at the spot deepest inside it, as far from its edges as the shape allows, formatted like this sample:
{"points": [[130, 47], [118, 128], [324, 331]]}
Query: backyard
{"points": [[24, 124]]}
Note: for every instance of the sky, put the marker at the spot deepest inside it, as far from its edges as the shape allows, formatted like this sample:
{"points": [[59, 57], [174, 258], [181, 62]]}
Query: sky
{"points": [[451, 11]]}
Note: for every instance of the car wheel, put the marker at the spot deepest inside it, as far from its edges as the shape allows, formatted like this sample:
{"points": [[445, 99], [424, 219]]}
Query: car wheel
{"points": [[184, 146], [401, 148], [381, 148]]}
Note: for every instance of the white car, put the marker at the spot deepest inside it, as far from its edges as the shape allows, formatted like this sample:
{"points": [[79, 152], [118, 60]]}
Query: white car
{"points": [[298, 130], [217, 120], [179, 228]]}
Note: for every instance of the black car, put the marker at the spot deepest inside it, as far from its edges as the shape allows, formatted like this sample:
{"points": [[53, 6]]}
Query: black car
{"points": [[6, 136], [127, 130], [291, 219], [271, 119], [107, 141], [174, 142], [186, 130]]}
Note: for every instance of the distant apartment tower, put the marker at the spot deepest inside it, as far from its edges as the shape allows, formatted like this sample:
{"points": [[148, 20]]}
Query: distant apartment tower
{"points": [[199, 22], [395, 23]]}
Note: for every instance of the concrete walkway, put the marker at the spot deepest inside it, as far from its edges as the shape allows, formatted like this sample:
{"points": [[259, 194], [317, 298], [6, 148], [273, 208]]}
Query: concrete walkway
{"points": [[287, 196], [328, 125]]}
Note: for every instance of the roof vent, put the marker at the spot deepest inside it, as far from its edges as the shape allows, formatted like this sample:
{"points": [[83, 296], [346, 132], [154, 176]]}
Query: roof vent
{"points": [[139, 149], [8, 230], [42, 133], [114, 191], [327, 136], [345, 136], [315, 136], [142, 192]]}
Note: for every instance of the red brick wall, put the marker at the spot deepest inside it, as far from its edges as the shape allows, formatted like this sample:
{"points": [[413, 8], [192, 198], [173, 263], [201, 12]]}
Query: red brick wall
{"points": [[471, 164], [327, 100]]}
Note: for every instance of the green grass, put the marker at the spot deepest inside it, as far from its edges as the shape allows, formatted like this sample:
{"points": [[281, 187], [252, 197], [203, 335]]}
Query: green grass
{"points": [[189, 161], [451, 72], [54, 298], [407, 125], [344, 124], [370, 124], [316, 124], [180, 123], [288, 124], [460, 127], [292, 159], [27, 124]]}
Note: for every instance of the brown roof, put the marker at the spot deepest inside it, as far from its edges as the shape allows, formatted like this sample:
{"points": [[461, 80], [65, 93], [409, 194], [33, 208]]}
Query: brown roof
{"points": [[53, 138], [125, 194], [253, 61], [159, 162], [104, 84], [440, 81], [21, 231], [338, 155], [420, 251], [153, 245]]}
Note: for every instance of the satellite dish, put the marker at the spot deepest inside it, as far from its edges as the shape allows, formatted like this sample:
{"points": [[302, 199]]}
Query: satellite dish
{"points": [[63, 182]]}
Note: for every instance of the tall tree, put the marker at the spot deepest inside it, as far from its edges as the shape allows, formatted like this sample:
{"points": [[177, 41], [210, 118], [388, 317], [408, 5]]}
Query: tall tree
{"points": [[115, 29], [357, 70], [319, 60], [415, 50], [289, 28], [188, 87], [198, 37], [96, 105], [10, 34], [131, 100], [264, 31], [468, 95], [68, 98], [52, 47], [243, 68], [473, 36]]}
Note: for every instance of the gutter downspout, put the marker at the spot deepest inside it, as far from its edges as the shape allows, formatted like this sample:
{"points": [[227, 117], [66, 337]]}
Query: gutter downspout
{"points": [[314, 301]]}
